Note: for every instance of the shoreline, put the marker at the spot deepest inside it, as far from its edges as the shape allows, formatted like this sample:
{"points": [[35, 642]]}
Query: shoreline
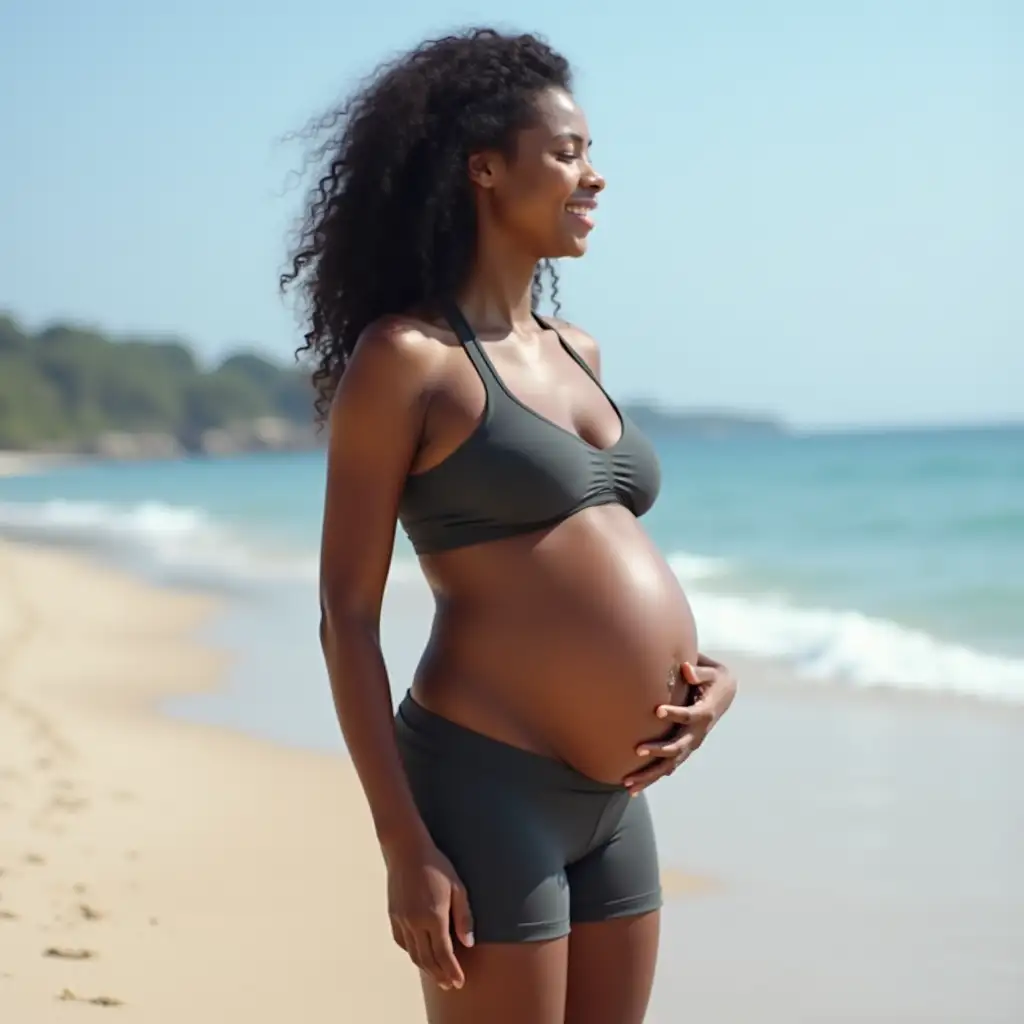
{"points": [[173, 868], [195, 545]]}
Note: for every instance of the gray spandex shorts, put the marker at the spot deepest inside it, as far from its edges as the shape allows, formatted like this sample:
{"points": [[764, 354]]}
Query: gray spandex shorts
{"points": [[537, 845]]}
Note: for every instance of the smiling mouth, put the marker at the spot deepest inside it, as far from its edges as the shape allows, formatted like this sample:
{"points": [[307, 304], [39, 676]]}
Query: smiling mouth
{"points": [[581, 212]]}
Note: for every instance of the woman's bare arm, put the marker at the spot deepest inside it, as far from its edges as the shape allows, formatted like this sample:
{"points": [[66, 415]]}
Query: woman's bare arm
{"points": [[374, 429]]}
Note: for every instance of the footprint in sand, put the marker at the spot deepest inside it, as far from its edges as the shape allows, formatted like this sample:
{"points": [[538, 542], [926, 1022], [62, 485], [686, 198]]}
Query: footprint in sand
{"points": [[68, 803], [90, 913], [69, 954], [34, 858], [8, 915]]}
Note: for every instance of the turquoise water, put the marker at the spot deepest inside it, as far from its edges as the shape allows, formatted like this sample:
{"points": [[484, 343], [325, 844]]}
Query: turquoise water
{"points": [[864, 559]]}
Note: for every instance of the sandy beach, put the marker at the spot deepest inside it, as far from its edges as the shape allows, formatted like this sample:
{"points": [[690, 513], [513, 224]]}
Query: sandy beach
{"points": [[167, 869], [855, 856], [175, 872]]}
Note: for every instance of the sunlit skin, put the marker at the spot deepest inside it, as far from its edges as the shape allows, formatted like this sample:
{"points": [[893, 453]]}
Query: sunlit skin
{"points": [[576, 642], [608, 623]]}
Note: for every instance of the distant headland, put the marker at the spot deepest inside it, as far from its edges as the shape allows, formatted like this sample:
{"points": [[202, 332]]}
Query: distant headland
{"points": [[659, 420], [74, 390]]}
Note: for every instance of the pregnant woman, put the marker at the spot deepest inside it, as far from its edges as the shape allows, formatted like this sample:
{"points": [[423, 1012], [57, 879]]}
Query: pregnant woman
{"points": [[562, 674]]}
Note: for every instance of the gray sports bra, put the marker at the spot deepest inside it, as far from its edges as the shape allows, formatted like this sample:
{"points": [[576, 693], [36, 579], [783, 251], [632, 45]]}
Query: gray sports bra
{"points": [[519, 472]]}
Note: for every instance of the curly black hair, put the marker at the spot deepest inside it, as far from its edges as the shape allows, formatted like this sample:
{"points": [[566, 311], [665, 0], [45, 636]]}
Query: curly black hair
{"points": [[390, 222]]}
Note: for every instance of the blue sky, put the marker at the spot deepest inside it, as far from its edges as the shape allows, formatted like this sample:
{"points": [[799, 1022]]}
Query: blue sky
{"points": [[814, 209]]}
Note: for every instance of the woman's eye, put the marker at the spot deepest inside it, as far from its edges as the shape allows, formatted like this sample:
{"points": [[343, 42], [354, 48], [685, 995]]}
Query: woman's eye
{"points": [[568, 157]]}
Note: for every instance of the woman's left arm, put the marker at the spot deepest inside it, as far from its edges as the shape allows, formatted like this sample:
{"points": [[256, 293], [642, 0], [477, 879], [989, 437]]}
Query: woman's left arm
{"points": [[716, 688]]}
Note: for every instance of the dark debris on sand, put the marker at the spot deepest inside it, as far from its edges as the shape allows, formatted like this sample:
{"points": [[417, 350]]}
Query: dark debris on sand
{"points": [[67, 996]]}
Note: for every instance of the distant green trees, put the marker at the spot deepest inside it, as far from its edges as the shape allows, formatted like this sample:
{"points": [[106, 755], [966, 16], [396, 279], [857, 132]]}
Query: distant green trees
{"points": [[65, 386]]}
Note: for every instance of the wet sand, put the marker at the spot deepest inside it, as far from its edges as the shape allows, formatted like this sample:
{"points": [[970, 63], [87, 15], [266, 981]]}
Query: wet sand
{"points": [[870, 852]]}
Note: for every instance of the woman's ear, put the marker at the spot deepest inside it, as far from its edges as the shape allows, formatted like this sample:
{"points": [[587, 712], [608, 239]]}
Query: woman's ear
{"points": [[484, 169]]}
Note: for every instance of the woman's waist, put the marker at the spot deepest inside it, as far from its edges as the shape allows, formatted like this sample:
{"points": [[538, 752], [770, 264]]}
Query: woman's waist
{"points": [[566, 649], [588, 705], [444, 745]]}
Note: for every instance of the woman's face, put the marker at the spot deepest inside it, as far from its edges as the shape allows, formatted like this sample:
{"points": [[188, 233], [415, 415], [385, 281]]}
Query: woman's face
{"points": [[544, 195]]}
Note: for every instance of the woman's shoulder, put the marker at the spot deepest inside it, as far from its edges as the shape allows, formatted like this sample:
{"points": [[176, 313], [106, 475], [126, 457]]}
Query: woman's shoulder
{"points": [[406, 335], [397, 358], [400, 341]]}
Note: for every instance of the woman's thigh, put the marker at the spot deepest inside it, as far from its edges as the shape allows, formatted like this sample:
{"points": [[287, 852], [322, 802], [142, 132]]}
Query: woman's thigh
{"points": [[611, 970], [506, 983], [602, 974]]}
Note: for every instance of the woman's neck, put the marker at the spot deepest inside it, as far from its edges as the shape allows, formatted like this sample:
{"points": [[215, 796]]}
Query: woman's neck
{"points": [[496, 297]]}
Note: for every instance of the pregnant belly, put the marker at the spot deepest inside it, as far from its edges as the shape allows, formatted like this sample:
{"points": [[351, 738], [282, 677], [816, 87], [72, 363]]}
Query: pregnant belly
{"points": [[564, 644]]}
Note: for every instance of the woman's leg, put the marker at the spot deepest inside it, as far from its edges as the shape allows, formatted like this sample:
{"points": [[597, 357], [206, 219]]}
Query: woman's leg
{"points": [[499, 814], [611, 970], [506, 983], [615, 913]]}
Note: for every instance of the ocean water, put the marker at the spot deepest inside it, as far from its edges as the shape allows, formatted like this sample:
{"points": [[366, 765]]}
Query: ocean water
{"points": [[887, 559]]}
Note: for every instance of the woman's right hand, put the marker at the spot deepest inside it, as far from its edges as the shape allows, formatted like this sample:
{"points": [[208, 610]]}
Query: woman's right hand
{"points": [[425, 897]]}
